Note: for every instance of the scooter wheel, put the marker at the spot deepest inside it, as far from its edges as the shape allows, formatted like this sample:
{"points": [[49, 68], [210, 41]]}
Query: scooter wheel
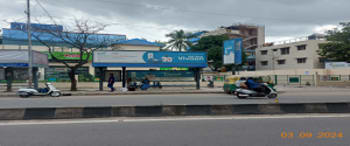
{"points": [[272, 96], [240, 97], [55, 94], [23, 94]]}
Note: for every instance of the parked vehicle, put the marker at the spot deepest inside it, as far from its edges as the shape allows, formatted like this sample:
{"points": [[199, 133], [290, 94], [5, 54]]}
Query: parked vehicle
{"points": [[270, 92], [230, 84], [49, 90]]}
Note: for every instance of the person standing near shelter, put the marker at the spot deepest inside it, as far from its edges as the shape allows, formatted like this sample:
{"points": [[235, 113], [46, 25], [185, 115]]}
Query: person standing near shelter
{"points": [[111, 81]]}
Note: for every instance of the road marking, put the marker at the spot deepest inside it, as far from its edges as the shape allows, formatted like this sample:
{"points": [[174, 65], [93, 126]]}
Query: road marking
{"points": [[167, 119]]}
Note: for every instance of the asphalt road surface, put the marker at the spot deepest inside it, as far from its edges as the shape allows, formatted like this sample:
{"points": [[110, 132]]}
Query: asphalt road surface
{"points": [[313, 130], [195, 99]]}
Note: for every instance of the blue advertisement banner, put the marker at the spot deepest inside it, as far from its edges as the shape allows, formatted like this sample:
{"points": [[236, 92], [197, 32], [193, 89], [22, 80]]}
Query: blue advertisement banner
{"points": [[12, 36], [149, 59], [232, 53], [36, 27]]}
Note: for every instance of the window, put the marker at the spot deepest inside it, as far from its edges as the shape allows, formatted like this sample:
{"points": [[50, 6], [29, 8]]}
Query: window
{"points": [[281, 62], [264, 63], [274, 50], [301, 47], [301, 60], [263, 52], [285, 51]]}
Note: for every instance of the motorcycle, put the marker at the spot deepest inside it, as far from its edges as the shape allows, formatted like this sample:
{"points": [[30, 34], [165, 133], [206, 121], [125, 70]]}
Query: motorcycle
{"points": [[49, 90], [242, 93]]}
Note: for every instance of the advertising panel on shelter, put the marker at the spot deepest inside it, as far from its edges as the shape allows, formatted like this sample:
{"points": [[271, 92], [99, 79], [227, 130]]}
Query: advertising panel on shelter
{"points": [[149, 59], [232, 53], [20, 58]]}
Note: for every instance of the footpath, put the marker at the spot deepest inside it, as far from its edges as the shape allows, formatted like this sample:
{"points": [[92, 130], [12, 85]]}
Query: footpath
{"points": [[151, 91]]}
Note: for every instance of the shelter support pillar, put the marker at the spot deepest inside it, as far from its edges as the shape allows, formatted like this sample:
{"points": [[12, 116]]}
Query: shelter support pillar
{"points": [[9, 78], [197, 78], [35, 77], [124, 76], [102, 77]]}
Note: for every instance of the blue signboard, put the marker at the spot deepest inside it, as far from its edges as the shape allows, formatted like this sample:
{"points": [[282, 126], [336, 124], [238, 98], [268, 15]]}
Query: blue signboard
{"points": [[149, 59], [36, 27], [232, 53], [13, 64], [13, 36]]}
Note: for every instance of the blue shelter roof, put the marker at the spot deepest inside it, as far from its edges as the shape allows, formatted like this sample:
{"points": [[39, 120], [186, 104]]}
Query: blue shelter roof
{"points": [[138, 42]]}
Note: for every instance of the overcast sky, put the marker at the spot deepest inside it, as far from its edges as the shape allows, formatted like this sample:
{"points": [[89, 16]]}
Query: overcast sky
{"points": [[152, 19]]}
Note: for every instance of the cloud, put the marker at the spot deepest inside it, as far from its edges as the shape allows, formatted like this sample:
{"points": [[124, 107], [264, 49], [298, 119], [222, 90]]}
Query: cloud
{"points": [[324, 28], [152, 19]]}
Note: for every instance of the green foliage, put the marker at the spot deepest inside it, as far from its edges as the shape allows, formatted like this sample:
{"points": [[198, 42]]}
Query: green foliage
{"points": [[178, 41], [338, 47]]}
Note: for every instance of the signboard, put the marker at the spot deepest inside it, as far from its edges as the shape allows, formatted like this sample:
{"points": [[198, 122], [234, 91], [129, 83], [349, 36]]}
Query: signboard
{"points": [[337, 65], [67, 55], [19, 58], [19, 37], [149, 59], [36, 27], [232, 53], [13, 56]]}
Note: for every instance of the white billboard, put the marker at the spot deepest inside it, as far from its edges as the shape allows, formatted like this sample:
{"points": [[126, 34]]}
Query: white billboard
{"points": [[13, 56], [118, 57], [149, 59], [19, 58]]}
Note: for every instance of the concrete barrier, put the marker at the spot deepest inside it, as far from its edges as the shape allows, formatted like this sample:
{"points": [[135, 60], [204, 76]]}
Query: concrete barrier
{"points": [[170, 110]]}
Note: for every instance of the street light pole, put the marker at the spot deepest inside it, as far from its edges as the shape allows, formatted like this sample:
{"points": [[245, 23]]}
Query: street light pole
{"points": [[30, 53]]}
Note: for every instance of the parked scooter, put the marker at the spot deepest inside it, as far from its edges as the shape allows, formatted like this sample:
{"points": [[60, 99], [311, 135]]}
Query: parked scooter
{"points": [[242, 93], [49, 90]]}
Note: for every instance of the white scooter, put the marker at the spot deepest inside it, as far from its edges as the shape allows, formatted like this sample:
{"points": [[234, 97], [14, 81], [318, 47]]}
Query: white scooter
{"points": [[244, 93], [49, 90]]}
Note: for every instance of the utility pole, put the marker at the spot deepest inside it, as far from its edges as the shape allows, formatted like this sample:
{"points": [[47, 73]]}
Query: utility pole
{"points": [[30, 52]]}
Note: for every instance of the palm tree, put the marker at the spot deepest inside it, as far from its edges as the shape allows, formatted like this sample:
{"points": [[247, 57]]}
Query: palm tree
{"points": [[178, 40]]}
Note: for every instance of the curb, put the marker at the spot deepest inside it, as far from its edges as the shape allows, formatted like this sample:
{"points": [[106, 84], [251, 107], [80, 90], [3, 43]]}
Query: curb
{"points": [[169, 110]]}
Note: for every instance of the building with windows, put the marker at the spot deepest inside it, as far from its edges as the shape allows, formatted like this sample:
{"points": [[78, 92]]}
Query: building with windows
{"points": [[293, 54]]}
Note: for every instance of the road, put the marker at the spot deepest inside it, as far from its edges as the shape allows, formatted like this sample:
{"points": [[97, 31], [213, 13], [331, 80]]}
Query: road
{"points": [[195, 99], [193, 131]]}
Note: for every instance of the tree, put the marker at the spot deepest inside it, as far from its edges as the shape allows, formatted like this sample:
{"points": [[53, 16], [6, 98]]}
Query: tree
{"points": [[214, 46], [81, 38], [338, 47], [178, 40]]}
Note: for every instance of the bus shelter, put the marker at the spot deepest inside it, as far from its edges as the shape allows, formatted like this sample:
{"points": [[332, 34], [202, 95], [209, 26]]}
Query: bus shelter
{"points": [[14, 65], [148, 59]]}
